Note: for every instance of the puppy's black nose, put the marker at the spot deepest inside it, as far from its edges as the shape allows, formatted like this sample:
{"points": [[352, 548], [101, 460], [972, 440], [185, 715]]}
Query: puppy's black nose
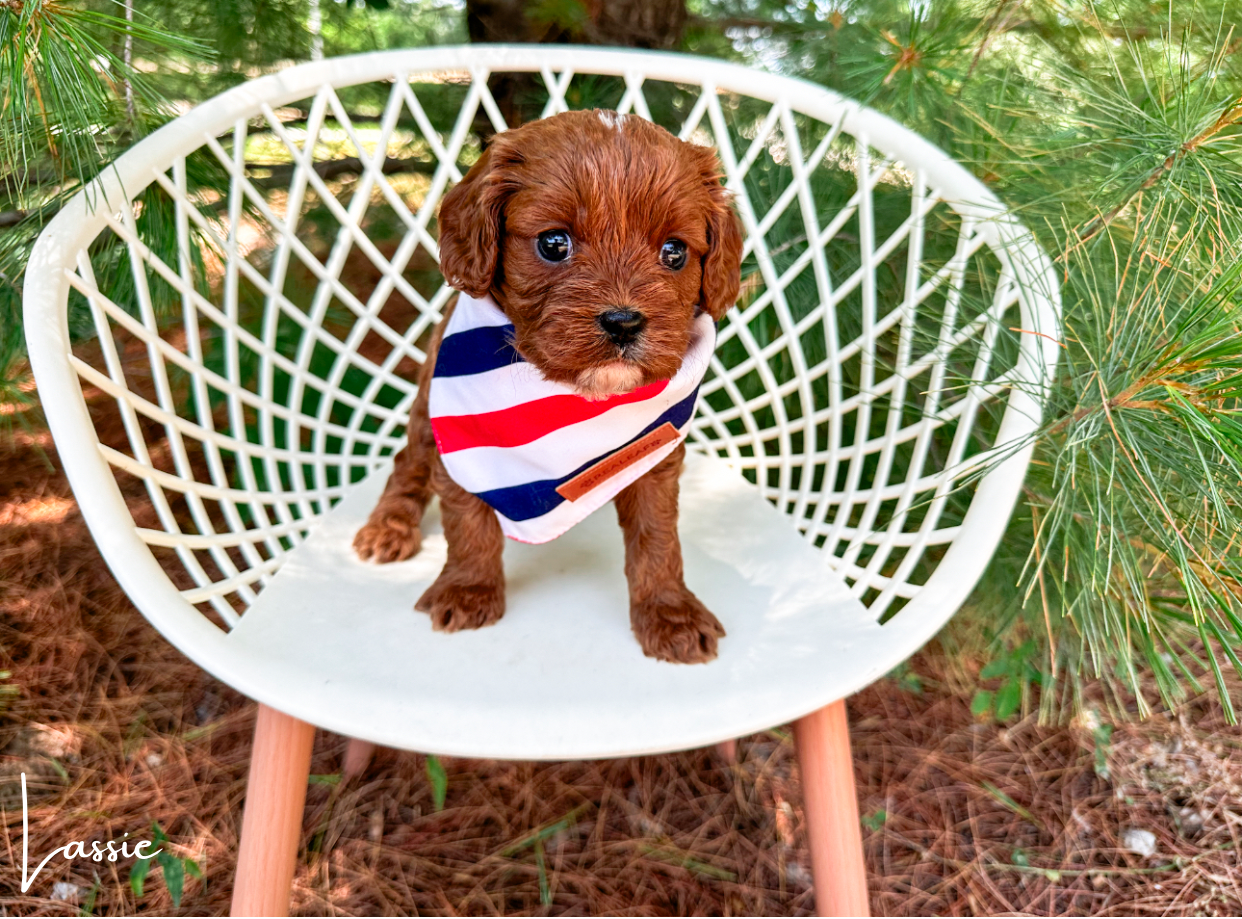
{"points": [[622, 326]]}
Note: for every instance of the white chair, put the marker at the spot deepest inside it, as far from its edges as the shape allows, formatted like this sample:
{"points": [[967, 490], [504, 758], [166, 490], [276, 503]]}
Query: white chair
{"points": [[895, 334]]}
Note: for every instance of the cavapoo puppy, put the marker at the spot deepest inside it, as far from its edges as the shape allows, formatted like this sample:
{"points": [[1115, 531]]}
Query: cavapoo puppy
{"points": [[593, 253]]}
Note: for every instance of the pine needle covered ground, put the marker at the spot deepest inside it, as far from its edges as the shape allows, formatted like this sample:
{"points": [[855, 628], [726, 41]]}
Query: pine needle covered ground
{"points": [[117, 732]]}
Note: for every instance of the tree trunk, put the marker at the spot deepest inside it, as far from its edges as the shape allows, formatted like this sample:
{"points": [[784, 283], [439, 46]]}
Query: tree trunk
{"points": [[656, 24]]}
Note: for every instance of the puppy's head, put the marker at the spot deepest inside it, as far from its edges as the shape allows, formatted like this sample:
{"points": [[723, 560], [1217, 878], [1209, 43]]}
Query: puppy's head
{"points": [[601, 236]]}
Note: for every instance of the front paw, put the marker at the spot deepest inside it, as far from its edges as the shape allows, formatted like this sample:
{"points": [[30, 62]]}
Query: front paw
{"points": [[392, 538], [676, 629], [454, 606]]}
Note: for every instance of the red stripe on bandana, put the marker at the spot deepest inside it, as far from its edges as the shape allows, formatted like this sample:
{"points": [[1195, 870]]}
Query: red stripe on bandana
{"points": [[521, 424]]}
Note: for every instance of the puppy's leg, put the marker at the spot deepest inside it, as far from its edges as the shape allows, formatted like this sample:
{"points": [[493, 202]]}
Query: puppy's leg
{"points": [[668, 620], [391, 533], [470, 591]]}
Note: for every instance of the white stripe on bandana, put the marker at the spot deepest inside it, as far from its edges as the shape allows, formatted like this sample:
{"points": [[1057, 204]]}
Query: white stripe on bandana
{"points": [[542, 456]]}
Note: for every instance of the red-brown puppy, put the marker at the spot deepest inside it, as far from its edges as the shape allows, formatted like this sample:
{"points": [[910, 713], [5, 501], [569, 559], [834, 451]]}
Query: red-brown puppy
{"points": [[561, 221]]}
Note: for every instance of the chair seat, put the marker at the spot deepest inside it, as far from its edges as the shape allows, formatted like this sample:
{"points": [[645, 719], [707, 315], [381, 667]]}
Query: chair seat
{"points": [[335, 641]]}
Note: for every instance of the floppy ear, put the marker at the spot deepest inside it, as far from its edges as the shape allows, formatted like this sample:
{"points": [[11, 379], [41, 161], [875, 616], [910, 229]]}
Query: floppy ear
{"points": [[722, 265], [472, 221]]}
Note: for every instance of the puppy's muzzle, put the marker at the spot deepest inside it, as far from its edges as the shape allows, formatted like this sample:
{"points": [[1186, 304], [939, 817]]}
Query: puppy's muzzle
{"points": [[622, 326]]}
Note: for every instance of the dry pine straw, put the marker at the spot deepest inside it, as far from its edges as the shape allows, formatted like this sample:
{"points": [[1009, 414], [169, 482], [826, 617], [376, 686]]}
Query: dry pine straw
{"points": [[116, 730]]}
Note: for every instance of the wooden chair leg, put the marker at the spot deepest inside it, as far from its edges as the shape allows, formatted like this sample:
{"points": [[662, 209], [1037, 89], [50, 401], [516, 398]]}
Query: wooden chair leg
{"points": [[831, 803], [272, 821], [357, 757]]}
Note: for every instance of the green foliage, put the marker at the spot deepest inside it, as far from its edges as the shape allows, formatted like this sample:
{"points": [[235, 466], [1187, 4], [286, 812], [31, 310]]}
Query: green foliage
{"points": [[63, 79], [172, 868], [1114, 132], [1017, 672], [71, 104], [88, 904], [138, 876], [439, 782], [247, 35], [1010, 804], [907, 679], [250, 37], [536, 840], [1102, 741], [8, 691], [348, 29], [1134, 498]]}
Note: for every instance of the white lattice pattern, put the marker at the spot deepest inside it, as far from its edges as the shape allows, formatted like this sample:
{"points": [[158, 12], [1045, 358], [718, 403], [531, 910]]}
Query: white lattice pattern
{"points": [[260, 348]]}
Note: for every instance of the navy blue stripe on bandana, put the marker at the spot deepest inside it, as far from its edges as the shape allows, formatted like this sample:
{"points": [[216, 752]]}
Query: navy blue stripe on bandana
{"points": [[476, 350], [534, 499]]}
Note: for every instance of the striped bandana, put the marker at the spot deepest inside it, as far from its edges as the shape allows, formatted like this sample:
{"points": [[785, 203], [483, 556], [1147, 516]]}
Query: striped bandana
{"points": [[537, 452]]}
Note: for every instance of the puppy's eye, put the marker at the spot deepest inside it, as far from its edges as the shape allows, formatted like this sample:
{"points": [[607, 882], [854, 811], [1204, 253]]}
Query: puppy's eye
{"points": [[673, 254], [554, 245]]}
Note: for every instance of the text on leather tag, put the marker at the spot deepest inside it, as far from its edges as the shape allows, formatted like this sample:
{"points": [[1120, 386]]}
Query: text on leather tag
{"points": [[609, 466]]}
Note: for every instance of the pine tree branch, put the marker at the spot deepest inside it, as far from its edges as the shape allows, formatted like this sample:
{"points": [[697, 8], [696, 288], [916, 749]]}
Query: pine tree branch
{"points": [[1043, 590], [1231, 116], [995, 26], [1160, 505], [1159, 557], [1125, 398]]}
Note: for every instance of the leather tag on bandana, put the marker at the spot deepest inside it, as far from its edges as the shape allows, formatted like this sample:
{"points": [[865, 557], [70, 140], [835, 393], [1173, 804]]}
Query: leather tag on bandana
{"points": [[609, 466]]}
